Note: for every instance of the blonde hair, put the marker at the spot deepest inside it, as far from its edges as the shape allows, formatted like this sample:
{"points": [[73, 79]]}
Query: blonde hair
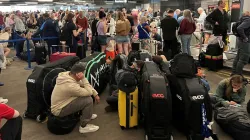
{"points": [[187, 15], [143, 19], [121, 16]]}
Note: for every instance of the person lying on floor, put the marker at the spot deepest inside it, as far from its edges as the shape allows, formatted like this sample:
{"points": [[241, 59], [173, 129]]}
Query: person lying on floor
{"points": [[230, 91], [12, 129], [133, 69], [72, 93]]}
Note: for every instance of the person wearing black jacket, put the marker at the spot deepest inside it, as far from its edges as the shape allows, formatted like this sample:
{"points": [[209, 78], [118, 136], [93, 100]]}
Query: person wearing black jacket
{"points": [[219, 19], [48, 29], [169, 26], [95, 46], [243, 44]]}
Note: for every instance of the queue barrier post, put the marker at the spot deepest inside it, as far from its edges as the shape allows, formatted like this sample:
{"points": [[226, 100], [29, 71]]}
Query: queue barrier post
{"points": [[29, 58]]}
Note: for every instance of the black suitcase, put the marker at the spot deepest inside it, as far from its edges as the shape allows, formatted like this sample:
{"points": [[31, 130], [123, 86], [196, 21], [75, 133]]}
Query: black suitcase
{"points": [[39, 90], [40, 54], [97, 71], [214, 57], [138, 55], [81, 51], [233, 120], [189, 97], [24, 56], [156, 103]]}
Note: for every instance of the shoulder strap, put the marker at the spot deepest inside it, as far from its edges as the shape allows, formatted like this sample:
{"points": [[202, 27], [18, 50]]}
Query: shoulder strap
{"points": [[145, 31]]}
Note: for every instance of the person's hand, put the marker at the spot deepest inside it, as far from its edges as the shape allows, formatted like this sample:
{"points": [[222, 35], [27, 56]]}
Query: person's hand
{"points": [[80, 30], [216, 23], [232, 103], [97, 99], [235, 90]]}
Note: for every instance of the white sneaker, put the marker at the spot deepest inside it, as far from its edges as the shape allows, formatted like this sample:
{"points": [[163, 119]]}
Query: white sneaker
{"points": [[94, 116], [3, 101], [88, 128]]}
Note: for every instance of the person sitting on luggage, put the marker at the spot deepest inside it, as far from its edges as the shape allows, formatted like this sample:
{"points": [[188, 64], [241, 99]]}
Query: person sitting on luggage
{"points": [[12, 129], [230, 91], [72, 93]]}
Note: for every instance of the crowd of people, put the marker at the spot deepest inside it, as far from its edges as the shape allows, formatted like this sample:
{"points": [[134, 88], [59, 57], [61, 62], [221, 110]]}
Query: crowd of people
{"points": [[72, 91]]}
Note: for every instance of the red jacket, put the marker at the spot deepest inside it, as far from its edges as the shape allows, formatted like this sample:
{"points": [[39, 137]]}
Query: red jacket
{"points": [[82, 22], [187, 27]]}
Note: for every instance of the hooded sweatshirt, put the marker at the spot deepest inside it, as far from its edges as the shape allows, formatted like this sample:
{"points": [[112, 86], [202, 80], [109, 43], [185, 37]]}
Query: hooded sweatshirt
{"points": [[68, 89], [244, 28]]}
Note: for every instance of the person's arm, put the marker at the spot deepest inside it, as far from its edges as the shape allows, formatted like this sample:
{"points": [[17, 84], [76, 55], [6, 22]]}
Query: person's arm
{"points": [[16, 114], [210, 18], [201, 18], [242, 27], [105, 28], [220, 91], [72, 27], [84, 83], [239, 97], [148, 28], [182, 27], [8, 112], [77, 91]]}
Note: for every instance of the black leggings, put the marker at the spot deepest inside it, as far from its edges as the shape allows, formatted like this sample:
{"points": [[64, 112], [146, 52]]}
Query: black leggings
{"points": [[12, 129]]}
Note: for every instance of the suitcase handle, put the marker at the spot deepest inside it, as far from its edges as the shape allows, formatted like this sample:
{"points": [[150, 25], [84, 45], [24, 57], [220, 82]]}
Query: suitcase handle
{"points": [[132, 109]]}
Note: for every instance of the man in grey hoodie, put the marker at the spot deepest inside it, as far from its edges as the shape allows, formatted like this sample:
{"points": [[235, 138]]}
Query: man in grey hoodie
{"points": [[243, 44]]}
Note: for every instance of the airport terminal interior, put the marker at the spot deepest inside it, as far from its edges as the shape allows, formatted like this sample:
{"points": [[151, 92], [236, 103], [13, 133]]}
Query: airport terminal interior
{"points": [[44, 38]]}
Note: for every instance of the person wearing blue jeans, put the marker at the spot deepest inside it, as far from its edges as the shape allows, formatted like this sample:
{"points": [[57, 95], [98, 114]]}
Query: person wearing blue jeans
{"points": [[243, 44], [187, 28]]}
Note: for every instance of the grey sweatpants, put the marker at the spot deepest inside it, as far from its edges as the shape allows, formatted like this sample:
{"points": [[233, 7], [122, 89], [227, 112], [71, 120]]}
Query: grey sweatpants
{"points": [[84, 104], [242, 57]]}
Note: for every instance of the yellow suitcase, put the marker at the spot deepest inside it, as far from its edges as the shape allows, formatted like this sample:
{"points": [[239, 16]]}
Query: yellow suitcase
{"points": [[128, 109]]}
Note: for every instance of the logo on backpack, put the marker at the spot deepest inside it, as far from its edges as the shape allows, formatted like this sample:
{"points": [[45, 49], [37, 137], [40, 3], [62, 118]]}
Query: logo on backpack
{"points": [[179, 97], [32, 81], [158, 95], [198, 97]]}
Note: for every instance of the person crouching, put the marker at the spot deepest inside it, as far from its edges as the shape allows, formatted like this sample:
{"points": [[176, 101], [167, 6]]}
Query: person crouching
{"points": [[72, 93]]}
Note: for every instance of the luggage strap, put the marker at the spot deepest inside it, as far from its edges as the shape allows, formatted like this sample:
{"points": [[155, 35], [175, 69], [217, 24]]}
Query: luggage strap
{"points": [[94, 62], [205, 130], [219, 57], [90, 63]]}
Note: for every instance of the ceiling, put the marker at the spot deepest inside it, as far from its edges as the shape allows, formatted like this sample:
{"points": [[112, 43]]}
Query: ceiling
{"points": [[56, 2]]}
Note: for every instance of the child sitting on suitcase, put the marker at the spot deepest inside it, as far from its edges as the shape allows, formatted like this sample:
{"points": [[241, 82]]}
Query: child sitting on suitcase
{"points": [[124, 82], [230, 91]]}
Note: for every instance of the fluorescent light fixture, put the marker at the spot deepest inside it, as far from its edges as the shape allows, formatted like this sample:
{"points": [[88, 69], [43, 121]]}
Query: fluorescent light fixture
{"points": [[109, 2], [22, 4], [60, 3], [79, 1], [1, 2], [131, 1], [31, 2], [45, 0], [120, 1]]}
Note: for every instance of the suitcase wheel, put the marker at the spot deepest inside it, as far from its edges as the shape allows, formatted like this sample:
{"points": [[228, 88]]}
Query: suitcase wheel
{"points": [[24, 115], [122, 127]]}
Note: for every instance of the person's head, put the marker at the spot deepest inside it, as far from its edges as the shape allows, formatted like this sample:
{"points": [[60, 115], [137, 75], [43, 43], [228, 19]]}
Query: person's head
{"points": [[45, 16], [143, 19], [129, 12], [81, 14], [102, 15], [170, 13], [200, 10], [52, 15], [77, 71], [178, 11], [138, 64], [246, 13], [235, 83], [221, 4], [70, 17], [101, 9], [109, 16], [7, 29], [121, 16], [153, 27], [188, 15], [124, 10]]}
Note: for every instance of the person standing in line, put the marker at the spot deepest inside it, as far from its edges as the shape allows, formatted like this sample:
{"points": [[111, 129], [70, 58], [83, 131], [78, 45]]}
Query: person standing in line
{"points": [[202, 16], [169, 27], [243, 45], [187, 28], [219, 19], [102, 29]]}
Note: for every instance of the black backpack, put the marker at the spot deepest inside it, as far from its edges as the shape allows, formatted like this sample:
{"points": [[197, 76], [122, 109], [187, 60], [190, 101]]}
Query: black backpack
{"points": [[234, 28], [183, 65]]}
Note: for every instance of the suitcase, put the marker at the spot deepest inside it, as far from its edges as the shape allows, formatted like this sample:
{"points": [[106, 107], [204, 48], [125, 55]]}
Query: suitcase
{"points": [[59, 55], [97, 71], [39, 90], [81, 51], [40, 53], [128, 109], [214, 57], [153, 47], [156, 94], [190, 98]]}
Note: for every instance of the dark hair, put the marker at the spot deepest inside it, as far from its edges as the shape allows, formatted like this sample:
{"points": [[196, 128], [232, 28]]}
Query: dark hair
{"points": [[46, 15], [102, 15], [70, 17], [139, 63], [128, 11], [78, 67], [220, 2], [170, 11]]}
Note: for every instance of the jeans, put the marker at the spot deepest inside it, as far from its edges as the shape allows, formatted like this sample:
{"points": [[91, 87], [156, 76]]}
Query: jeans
{"points": [[185, 41], [12, 129], [242, 57], [84, 104]]}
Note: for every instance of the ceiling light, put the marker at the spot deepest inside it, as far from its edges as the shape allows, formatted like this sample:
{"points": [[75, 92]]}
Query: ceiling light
{"points": [[22, 4], [31, 2], [45, 0]]}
